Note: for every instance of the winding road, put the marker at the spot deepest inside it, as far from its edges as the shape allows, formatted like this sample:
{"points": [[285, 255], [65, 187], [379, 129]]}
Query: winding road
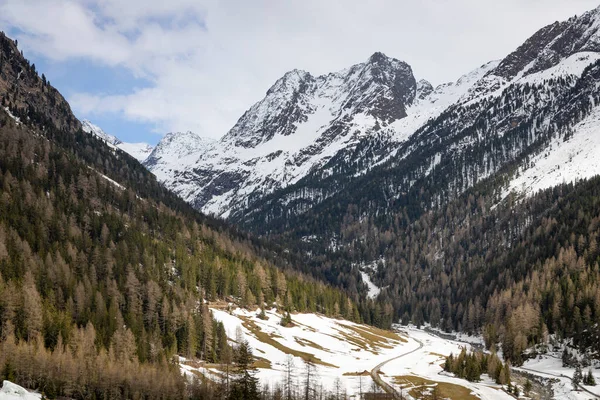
{"points": [[386, 387], [542, 373]]}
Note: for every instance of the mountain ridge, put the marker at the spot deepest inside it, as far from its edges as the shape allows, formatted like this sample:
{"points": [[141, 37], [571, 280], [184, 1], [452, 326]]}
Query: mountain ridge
{"points": [[316, 118], [139, 151]]}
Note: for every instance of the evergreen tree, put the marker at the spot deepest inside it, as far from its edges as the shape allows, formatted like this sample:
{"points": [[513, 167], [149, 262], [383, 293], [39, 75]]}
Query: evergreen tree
{"points": [[245, 386], [589, 379]]}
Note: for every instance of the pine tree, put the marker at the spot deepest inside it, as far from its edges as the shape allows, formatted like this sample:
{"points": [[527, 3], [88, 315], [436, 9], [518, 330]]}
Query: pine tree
{"points": [[245, 387], [589, 379], [286, 319]]}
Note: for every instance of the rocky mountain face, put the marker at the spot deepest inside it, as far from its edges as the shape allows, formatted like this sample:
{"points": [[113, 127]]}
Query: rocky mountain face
{"points": [[491, 125], [375, 137], [139, 151], [24, 91], [302, 124]]}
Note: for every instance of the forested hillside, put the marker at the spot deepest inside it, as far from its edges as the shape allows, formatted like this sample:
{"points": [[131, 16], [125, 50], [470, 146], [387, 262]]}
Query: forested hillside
{"points": [[104, 274], [439, 224]]}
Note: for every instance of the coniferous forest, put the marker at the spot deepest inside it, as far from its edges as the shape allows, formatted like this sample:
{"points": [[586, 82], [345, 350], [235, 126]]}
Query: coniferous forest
{"points": [[105, 276]]}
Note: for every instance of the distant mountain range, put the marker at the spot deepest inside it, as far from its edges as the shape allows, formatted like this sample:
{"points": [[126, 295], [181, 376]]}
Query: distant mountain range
{"points": [[339, 127]]}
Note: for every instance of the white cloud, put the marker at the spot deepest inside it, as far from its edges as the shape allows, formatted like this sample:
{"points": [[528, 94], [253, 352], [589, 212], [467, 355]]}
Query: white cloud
{"points": [[208, 61]]}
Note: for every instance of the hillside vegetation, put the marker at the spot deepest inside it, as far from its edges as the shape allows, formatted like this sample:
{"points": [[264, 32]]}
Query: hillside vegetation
{"points": [[104, 274]]}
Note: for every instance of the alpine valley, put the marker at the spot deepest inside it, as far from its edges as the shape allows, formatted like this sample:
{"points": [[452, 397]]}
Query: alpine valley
{"points": [[469, 205], [434, 241]]}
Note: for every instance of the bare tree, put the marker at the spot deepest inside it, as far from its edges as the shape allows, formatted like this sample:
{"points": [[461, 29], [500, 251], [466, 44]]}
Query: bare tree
{"points": [[360, 391], [308, 379], [337, 387], [290, 370]]}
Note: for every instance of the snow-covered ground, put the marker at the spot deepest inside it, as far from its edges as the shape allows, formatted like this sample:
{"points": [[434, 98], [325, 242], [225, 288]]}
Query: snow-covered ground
{"points": [[10, 391], [427, 363], [344, 350], [550, 366], [564, 161], [339, 347], [374, 290]]}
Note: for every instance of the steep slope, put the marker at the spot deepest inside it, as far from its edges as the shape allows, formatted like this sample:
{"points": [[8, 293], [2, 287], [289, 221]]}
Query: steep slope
{"points": [[139, 151], [301, 123], [105, 275], [505, 118], [23, 89]]}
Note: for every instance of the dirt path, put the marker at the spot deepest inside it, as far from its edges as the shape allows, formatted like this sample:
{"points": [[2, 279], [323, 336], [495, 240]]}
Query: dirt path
{"points": [[384, 385]]}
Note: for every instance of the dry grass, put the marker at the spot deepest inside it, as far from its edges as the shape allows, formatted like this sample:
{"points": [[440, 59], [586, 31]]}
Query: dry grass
{"points": [[270, 340], [309, 328], [369, 338], [364, 373], [262, 363], [309, 343], [422, 388], [355, 340], [391, 335]]}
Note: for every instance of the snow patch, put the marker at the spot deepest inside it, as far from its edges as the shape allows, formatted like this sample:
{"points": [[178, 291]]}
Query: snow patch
{"points": [[563, 161], [11, 391], [374, 290]]}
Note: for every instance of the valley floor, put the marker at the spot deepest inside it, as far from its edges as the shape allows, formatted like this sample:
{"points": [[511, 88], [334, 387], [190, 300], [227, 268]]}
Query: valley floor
{"points": [[347, 355]]}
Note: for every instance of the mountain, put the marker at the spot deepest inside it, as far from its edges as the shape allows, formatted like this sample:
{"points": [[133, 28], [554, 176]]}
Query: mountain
{"points": [[177, 150], [337, 127], [106, 277], [22, 88], [301, 125], [509, 113], [139, 151], [432, 192], [302, 122]]}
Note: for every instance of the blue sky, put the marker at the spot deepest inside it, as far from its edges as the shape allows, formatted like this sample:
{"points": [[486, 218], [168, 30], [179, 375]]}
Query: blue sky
{"points": [[77, 76], [142, 68]]}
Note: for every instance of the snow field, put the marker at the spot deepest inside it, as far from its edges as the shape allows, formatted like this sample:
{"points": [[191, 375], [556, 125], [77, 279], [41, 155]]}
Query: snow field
{"points": [[343, 350]]}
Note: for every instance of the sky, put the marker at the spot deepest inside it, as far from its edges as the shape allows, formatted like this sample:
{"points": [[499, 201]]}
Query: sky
{"points": [[143, 68]]}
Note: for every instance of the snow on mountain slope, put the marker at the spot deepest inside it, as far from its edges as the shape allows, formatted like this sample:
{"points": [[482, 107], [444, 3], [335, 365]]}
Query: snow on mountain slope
{"points": [[140, 151], [341, 125], [434, 101], [564, 161], [340, 350], [559, 49], [176, 155], [89, 127], [301, 124]]}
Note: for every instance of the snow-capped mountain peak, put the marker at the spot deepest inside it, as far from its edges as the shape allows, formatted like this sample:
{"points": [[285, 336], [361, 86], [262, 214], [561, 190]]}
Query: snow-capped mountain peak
{"points": [[301, 123], [174, 147], [424, 89], [140, 151], [339, 126]]}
